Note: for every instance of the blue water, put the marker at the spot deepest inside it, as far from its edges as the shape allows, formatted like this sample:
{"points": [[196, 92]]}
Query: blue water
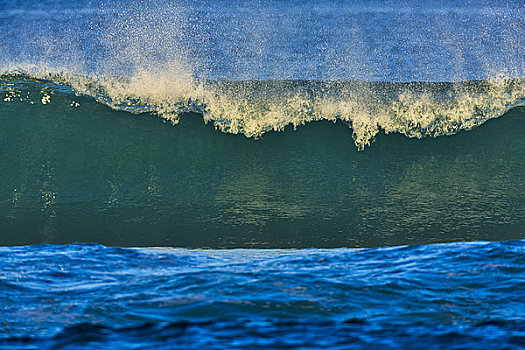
{"points": [[447, 296], [262, 174]]}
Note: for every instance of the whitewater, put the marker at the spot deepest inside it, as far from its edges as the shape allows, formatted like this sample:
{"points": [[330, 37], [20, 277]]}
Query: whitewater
{"points": [[429, 75]]}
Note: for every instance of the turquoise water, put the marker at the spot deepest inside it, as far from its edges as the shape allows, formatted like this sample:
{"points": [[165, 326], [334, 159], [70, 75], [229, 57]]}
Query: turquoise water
{"points": [[78, 171]]}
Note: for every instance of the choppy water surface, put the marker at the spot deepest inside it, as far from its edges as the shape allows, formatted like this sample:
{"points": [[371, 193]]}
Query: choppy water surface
{"points": [[457, 295]]}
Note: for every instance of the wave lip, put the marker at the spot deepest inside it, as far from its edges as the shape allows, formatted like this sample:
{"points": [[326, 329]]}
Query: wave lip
{"points": [[252, 108]]}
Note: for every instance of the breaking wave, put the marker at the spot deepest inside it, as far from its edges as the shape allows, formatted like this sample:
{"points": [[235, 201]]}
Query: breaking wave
{"points": [[254, 107]]}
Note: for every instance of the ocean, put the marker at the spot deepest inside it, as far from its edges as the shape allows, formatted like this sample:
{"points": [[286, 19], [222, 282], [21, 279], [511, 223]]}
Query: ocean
{"points": [[262, 174]]}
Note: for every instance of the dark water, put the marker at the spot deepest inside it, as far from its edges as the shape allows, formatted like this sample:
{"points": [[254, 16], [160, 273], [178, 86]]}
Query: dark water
{"points": [[88, 173], [295, 130], [448, 296]]}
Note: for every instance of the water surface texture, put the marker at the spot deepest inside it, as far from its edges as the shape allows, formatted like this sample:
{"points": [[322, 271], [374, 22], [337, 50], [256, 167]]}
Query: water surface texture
{"points": [[462, 295]]}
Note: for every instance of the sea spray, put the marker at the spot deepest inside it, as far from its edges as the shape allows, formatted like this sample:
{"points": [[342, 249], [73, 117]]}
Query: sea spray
{"points": [[255, 68], [255, 107]]}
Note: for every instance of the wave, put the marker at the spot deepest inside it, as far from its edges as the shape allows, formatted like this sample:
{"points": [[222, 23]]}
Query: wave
{"points": [[254, 107]]}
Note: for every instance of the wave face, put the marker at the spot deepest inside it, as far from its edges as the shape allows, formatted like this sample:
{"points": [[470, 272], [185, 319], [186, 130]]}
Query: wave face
{"points": [[83, 161], [462, 295], [76, 170]]}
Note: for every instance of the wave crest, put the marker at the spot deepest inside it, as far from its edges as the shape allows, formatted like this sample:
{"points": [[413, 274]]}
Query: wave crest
{"points": [[252, 108]]}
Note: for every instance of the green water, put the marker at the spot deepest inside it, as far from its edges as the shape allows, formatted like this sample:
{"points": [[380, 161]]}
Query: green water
{"points": [[92, 174]]}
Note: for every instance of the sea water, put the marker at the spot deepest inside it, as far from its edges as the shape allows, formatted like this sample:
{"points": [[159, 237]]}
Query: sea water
{"points": [[344, 174]]}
